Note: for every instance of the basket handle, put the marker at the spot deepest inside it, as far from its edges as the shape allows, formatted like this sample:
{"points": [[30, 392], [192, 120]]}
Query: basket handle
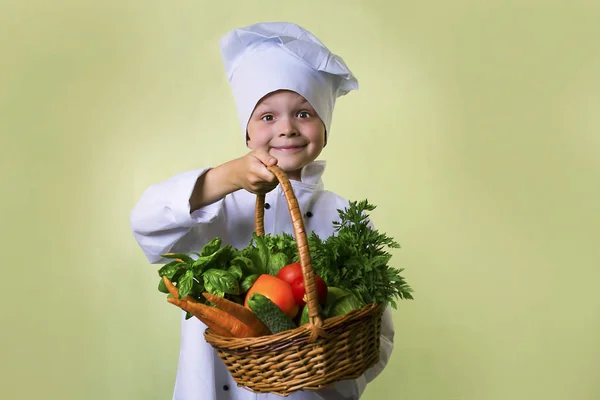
{"points": [[308, 273]]}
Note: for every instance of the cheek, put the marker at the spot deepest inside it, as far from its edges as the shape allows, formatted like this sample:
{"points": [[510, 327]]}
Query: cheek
{"points": [[318, 133], [257, 137]]}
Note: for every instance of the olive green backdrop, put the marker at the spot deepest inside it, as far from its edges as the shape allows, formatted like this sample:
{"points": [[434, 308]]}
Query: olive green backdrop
{"points": [[475, 131]]}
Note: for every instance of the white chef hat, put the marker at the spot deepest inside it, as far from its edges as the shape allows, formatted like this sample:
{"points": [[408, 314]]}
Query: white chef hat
{"points": [[265, 57]]}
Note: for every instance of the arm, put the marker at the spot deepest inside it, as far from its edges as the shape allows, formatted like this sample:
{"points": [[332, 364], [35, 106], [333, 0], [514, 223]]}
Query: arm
{"points": [[167, 211], [162, 216], [213, 186]]}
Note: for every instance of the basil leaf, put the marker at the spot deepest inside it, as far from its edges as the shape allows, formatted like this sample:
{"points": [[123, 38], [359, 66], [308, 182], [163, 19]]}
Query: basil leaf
{"points": [[162, 287], [178, 274], [236, 271], [201, 263], [170, 269], [211, 247], [276, 262], [248, 282], [185, 284], [219, 259], [246, 264], [222, 281], [208, 286], [225, 254], [197, 290]]}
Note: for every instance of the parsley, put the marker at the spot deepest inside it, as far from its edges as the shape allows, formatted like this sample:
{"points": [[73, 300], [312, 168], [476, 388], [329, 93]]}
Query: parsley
{"points": [[356, 258]]}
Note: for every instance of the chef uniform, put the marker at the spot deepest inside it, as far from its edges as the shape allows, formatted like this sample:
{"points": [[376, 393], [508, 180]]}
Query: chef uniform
{"points": [[258, 59]]}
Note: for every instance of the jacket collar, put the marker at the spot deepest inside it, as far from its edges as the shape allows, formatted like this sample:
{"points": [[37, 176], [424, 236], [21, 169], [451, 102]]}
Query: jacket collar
{"points": [[311, 175]]}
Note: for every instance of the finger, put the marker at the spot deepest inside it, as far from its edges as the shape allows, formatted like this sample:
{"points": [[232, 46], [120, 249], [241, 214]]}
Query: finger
{"points": [[263, 155], [265, 177], [258, 172]]}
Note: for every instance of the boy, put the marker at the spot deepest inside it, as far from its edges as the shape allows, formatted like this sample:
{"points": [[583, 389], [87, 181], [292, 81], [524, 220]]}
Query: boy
{"points": [[285, 83]]}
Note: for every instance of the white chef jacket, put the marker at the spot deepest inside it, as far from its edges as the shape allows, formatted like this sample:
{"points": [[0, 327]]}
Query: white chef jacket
{"points": [[161, 222]]}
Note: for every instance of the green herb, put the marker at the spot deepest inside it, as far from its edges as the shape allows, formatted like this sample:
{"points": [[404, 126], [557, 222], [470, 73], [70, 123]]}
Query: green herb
{"points": [[276, 262], [217, 281], [356, 258], [214, 269], [283, 243], [248, 282]]}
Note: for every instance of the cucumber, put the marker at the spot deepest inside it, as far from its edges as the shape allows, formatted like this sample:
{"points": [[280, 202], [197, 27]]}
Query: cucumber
{"points": [[270, 314]]}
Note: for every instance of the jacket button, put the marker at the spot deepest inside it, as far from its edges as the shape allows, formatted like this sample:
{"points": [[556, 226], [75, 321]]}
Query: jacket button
{"points": [[267, 206], [309, 214], [225, 387]]}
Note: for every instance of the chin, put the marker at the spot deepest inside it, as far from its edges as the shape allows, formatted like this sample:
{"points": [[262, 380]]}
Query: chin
{"points": [[290, 168]]}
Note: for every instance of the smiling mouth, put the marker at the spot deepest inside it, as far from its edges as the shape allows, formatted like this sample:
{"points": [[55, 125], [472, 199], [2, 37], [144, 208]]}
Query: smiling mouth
{"points": [[289, 148]]}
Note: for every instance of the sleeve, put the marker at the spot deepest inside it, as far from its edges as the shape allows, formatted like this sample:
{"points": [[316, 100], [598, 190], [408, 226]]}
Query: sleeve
{"points": [[162, 216]]}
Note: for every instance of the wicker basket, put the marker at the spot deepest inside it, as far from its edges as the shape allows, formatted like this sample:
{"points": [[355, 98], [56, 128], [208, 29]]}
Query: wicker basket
{"points": [[311, 356]]}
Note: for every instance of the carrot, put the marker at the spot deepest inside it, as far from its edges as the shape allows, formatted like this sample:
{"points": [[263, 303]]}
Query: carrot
{"points": [[222, 319], [209, 323], [240, 312], [175, 292], [217, 320]]}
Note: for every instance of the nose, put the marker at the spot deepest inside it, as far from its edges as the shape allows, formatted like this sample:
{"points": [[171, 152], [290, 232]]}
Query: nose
{"points": [[286, 127]]}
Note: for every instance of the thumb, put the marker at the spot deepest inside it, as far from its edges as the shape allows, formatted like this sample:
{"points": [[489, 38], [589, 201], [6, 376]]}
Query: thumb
{"points": [[263, 155]]}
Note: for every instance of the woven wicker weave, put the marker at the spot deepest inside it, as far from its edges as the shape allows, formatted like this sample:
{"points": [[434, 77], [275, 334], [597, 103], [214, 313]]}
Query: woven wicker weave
{"points": [[311, 356]]}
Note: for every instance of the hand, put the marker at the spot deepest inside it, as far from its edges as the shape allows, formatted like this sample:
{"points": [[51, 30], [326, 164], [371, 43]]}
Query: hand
{"points": [[250, 172]]}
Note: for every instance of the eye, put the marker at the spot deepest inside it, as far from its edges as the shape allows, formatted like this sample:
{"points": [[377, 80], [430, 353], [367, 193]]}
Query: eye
{"points": [[303, 114], [267, 117]]}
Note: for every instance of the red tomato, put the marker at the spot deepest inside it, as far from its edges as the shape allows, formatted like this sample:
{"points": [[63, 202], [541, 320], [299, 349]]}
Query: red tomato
{"points": [[292, 274], [276, 290]]}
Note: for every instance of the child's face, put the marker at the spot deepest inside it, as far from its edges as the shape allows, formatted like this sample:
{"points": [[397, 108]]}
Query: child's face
{"points": [[287, 125]]}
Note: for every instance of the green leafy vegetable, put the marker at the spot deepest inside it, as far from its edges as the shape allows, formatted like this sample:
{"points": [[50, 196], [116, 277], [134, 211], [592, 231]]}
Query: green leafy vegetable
{"points": [[246, 264], [276, 262], [185, 284], [220, 281], [354, 263], [356, 258], [248, 282], [170, 269], [211, 247], [282, 243], [236, 271], [252, 253], [162, 287], [263, 251]]}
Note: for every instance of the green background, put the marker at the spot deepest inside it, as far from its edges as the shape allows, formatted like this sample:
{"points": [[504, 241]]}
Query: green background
{"points": [[475, 131]]}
